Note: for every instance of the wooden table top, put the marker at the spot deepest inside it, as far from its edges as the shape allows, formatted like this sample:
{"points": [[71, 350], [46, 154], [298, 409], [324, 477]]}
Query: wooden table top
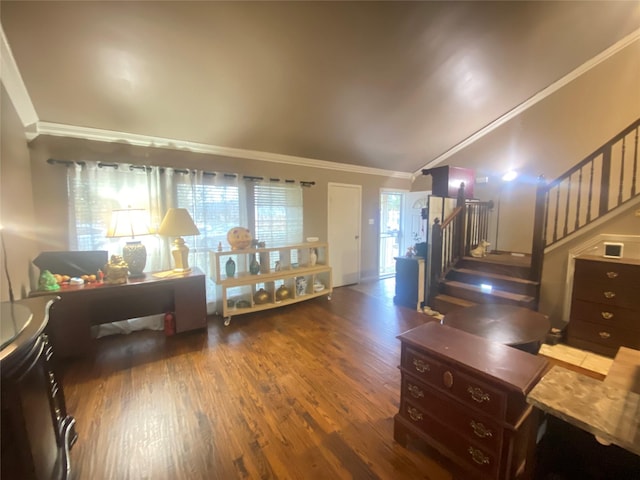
{"points": [[506, 324], [625, 370]]}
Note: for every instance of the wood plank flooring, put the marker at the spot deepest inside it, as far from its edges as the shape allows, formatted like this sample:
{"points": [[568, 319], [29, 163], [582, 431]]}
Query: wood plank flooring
{"points": [[307, 391]]}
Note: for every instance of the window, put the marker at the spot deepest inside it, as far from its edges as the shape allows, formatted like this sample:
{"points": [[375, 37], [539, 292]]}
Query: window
{"points": [[278, 214], [217, 203], [215, 209]]}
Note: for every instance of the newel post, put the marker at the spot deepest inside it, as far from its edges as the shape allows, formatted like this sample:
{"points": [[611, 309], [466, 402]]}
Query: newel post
{"points": [[460, 222], [436, 259], [539, 230]]}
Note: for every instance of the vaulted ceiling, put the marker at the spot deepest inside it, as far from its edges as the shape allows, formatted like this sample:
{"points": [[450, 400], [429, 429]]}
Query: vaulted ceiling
{"points": [[390, 85]]}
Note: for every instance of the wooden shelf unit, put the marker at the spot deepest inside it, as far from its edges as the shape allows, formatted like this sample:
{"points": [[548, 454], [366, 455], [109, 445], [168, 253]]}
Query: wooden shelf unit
{"points": [[278, 266]]}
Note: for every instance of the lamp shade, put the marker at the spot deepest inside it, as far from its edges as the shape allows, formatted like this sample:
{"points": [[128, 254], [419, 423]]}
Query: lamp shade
{"points": [[128, 222], [177, 222]]}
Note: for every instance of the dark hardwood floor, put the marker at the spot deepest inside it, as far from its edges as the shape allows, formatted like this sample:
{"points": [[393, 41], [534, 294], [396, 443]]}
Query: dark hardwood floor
{"points": [[307, 391]]}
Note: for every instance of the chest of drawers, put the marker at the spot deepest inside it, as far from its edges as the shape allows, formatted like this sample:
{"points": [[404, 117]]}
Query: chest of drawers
{"points": [[465, 397], [605, 305]]}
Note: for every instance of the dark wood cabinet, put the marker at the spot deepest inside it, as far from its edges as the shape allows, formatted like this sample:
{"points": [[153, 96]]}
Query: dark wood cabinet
{"points": [[465, 396], [37, 432], [605, 305], [409, 282]]}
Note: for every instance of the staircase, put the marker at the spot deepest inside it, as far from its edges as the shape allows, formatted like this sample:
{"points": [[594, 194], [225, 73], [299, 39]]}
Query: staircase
{"points": [[599, 184], [496, 278]]}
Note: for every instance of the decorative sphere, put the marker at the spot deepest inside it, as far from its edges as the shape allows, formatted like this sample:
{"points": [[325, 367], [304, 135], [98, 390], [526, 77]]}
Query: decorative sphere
{"points": [[261, 296], [239, 238], [282, 293]]}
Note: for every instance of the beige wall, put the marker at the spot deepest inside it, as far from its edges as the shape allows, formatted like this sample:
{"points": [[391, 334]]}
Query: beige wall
{"points": [[552, 136], [20, 231], [51, 201]]}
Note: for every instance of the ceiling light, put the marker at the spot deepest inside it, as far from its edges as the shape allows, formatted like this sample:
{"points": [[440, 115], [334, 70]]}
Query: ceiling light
{"points": [[509, 176]]}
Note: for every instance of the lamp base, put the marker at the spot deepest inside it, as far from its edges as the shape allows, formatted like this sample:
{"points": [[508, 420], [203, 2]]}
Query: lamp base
{"points": [[135, 254], [180, 253]]}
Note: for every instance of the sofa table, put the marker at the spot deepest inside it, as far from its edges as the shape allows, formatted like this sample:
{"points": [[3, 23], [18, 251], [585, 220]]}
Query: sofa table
{"points": [[83, 306]]}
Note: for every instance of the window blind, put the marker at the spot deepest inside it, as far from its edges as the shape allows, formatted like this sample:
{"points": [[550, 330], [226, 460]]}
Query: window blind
{"points": [[278, 214]]}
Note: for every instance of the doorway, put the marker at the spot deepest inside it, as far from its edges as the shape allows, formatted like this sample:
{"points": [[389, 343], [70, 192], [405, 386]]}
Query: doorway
{"points": [[343, 232], [391, 202]]}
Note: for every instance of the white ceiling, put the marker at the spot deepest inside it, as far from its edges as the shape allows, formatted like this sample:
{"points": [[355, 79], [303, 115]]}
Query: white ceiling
{"points": [[389, 85]]}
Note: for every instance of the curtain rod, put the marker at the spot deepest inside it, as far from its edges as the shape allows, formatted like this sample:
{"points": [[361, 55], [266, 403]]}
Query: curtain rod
{"points": [[251, 178]]}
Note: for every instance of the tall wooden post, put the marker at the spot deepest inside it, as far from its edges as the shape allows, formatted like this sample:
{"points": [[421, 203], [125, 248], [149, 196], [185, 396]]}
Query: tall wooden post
{"points": [[436, 260], [539, 230]]}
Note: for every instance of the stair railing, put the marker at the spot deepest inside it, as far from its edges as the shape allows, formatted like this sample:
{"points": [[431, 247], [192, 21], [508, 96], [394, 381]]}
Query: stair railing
{"points": [[603, 181], [477, 228], [465, 227]]}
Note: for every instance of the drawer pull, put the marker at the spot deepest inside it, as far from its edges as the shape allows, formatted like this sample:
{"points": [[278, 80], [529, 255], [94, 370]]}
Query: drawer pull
{"points": [[609, 294], [420, 365], [447, 378], [607, 315], [415, 414], [612, 274], [478, 395], [480, 430], [604, 334], [415, 391], [478, 457]]}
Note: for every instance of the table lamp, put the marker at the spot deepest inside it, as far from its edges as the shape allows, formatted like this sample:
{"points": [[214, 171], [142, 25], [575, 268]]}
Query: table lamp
{"points": [[131, 222], [178, 222]]}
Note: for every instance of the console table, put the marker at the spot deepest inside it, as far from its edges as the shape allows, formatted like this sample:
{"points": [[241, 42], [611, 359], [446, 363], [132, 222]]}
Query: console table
{"points": [[83, 306]]}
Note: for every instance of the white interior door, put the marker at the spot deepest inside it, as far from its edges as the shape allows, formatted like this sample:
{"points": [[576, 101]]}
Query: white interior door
{"points": [[343, 232]]}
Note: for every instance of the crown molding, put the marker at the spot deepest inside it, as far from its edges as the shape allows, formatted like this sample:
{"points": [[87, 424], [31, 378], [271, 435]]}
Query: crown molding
{"points": [[110, 136], [538, 97], [12, 81], [17, 91]]}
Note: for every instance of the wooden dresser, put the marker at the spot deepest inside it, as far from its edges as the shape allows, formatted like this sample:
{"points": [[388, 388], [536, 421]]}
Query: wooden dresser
{"points": [[37, 432], [465, 396], [605, 305]]}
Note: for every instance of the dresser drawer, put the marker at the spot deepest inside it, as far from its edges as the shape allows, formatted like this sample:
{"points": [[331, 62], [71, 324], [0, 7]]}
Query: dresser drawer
{"points": [[476, 394], [464, 387], [422, 366], [603, 335], [607, 282], [468, 423], [608, 315], [475, 457]]}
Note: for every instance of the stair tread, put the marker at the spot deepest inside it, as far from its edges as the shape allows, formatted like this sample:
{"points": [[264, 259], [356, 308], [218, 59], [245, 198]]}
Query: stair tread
{"points": [[497, 276], [495, 291], [455, 300], [502, 259]]}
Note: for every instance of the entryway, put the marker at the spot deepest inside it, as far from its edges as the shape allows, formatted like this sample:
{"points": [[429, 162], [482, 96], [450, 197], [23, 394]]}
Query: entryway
{"points": [[390, 231]]}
